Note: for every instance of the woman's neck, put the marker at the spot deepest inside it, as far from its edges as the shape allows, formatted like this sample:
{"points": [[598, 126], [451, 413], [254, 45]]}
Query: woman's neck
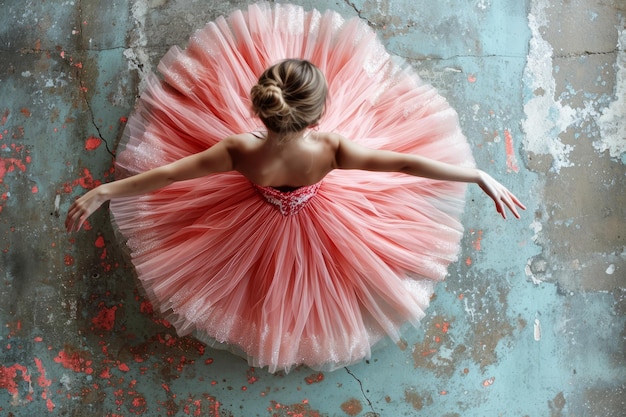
{"points": [[282, 138]]}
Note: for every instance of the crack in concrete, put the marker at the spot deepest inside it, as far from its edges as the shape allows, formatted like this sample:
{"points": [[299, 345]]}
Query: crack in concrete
{"points": [[79, 77], [451, 57], [93, 121], [358, 13], [369, 403], [587, 53]]}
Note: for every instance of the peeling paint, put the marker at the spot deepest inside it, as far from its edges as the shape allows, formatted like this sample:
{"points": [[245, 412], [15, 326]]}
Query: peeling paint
{"points": [[546, 117], [416, 399], [136, 54], [612, 121]]}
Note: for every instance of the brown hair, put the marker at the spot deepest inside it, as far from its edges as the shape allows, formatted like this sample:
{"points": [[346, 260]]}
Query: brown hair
{"points": [[290, 96]]}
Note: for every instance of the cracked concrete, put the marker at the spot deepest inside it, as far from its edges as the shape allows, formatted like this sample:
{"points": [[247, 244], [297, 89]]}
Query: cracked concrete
{"points": [[530, 322]]}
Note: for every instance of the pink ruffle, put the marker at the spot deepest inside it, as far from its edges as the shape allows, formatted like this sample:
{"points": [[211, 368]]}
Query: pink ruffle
{"points": [[356, 262]]}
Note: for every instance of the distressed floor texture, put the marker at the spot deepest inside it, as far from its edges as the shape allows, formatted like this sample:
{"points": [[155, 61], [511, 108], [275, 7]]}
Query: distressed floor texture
{"points": [[530, 321]]}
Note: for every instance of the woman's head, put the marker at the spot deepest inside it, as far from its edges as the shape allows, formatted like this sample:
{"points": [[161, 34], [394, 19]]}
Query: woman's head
{"points": [[290, 96]]}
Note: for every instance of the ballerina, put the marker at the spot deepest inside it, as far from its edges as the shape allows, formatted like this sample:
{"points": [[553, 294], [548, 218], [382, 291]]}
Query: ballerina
{"points": [[266, 243]]}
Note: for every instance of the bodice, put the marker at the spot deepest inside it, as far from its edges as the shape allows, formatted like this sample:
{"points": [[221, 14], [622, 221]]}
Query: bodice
{"points": [[288, 202]]}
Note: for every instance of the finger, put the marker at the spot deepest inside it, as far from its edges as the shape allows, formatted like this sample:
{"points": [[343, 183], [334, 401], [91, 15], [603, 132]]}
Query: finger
{"points": [[514, 211], [514, 203], [68, 222], [510, 205], [69, 219], [518, 203], [500, 209], [74, 222]]}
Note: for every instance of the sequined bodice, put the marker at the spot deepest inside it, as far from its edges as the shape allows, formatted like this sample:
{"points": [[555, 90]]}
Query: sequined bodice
{"points": [[288, 202]]}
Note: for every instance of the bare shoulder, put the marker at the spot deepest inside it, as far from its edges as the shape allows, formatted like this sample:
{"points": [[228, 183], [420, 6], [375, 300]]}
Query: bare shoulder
{"points": [[240, 139], [328, 139], [240, 142]]}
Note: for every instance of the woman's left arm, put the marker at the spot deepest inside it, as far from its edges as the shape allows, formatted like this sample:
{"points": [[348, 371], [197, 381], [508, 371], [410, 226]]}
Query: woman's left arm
{"points": [[350, 155]]}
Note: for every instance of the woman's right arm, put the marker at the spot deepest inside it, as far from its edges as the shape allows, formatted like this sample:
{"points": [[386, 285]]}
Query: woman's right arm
{"points": [[215, 159]]}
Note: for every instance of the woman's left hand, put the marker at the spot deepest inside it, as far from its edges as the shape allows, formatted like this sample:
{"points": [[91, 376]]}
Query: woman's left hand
{"points": [[500, 195]]}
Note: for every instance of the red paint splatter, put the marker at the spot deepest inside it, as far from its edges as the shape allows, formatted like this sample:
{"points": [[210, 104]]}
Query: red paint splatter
{"points": [[92, 143], [196, 407], [314, 378], [42, 380], [468, 261], [8, 375], [105, 374], [5, 117], [74, 360], [122, 119], [139, 404], [105, 320], [471, 78], [511, 160], [10, 165], [87, 181], [25, 112], [99, 242], [443, 326], [251, 376], [489, 381], [146, 307], [68, 260], [34, 190], [123, 367]]}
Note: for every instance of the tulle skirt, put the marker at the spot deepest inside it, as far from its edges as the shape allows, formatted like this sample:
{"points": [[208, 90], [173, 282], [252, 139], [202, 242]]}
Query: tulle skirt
{"points": [[361, 259]]}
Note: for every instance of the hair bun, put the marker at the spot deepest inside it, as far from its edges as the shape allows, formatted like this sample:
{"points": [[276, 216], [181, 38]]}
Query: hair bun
{"points": [[289, 96], [269, 99]]}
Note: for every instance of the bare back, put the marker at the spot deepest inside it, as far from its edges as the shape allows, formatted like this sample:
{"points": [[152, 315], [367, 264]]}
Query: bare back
{"points": [[295, 162]]}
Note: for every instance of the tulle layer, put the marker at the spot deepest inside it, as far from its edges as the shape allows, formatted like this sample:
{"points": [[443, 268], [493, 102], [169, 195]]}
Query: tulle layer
{"points": [[361, 259]]}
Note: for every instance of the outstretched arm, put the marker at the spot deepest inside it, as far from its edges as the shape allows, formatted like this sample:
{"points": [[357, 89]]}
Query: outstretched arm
{"points": [[350, 155], [215, 159]]}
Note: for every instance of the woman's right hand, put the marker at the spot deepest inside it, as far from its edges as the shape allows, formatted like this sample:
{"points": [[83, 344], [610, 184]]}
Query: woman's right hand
{"points": [[500, 195], [83, 207]]}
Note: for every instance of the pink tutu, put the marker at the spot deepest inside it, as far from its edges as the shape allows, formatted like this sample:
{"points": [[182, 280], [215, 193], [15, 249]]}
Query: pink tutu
{"points": [[315, 276]]}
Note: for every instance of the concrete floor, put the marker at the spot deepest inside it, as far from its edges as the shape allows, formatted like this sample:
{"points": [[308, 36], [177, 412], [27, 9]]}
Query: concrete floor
{"points": [[530, 321]]}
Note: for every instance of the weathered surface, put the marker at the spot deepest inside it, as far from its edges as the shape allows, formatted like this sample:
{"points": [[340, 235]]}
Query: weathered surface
{"points": [[529, 322]]}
